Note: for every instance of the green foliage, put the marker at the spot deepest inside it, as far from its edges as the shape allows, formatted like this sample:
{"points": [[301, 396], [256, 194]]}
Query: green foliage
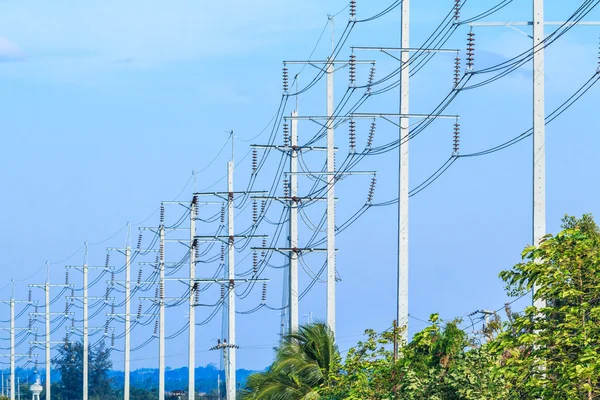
{"points": [[550, 353], [304, 361], [69, 363], [141, 394], [100, 364]]}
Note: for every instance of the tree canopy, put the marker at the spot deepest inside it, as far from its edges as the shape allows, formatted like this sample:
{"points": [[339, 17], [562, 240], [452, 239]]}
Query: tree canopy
{"points": [[550, 352]]}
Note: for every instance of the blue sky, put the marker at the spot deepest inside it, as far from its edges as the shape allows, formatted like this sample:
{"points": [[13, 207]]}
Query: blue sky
{"points": [[108, 106]]}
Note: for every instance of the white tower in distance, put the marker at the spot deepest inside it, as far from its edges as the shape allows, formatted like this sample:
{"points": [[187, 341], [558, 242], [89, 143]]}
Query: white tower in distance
{"points": [[36, 389]]}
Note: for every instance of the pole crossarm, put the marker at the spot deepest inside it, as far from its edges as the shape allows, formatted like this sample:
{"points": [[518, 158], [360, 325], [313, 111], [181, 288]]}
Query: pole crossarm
{"points": [[37, 314], [296, 250], [44, 285], [300, 62], [315, 118], [392, 115], [287, 199], [228, 239], [134, 250], [513, 25], [161, 298], [16, 355], [228, 195], [224, 193], [401, 49], [80, 328], [387, 50], [330, 63], [186, 204], [241, 280], [155, 229], [333, 173], [142, 263], [82, 267], [18, 301], [37, 343], [530, 23], [180, 241], [287, 149]]}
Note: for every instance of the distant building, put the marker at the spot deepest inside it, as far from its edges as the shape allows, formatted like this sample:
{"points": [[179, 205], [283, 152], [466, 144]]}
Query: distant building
{"points": [[36, 389], [177, 394]]}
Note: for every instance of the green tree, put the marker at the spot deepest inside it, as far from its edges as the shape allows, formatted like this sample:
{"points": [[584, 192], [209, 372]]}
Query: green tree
{"points": [[142, 394], [553, 352], [305, 361], [100, 364], [549, 353], [69, 363]]}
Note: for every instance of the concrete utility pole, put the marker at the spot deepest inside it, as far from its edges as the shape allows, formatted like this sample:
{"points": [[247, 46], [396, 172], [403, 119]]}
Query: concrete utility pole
{"points": [[539, 130], [539, 114], [47, 337], [231, 382], [192, 248], [127, 315], [85, 327], [85, 300], [161, 312], [331, 178], [46, 286], [12, 355], [127, 355], [403, 188], [230, 349], [13, 345], [293, 241], [192, 305]]}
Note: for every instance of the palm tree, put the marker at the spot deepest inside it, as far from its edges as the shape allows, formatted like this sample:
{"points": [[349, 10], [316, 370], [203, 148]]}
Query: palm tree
{"points": [[304, 361]]}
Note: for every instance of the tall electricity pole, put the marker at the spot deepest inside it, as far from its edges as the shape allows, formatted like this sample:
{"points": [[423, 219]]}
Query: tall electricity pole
{"points": [[47, 337], [161, 312], [192, 303], [231, 345], [293, 240], [127, 315], [85, 300], [85, 326], [331, 178], [11, 303], [127, 366], [46, 286], [539, 115], [403, 188], [12, 347], [231, 382], [539, 130]]}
